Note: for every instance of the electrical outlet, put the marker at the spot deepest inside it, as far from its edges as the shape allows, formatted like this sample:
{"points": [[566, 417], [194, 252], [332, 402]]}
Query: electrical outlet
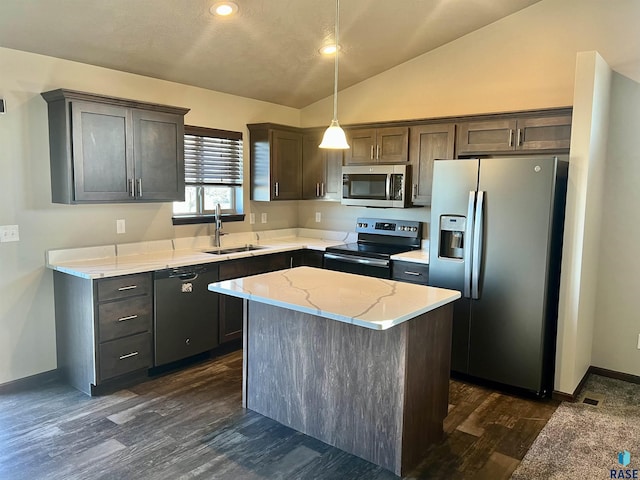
{"points": [[9, 233], [252, 218], [263, 218], [318, 217], [121, 226]]}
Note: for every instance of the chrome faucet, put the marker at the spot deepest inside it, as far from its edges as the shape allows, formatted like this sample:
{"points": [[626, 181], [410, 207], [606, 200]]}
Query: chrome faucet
{"points": [[217, 233]]}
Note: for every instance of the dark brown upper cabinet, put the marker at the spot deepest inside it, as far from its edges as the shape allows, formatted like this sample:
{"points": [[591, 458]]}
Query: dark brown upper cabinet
{"points": [[377, 145], [321, 170], [276, 162], [106, 149], [428, 143], [515, 134]]}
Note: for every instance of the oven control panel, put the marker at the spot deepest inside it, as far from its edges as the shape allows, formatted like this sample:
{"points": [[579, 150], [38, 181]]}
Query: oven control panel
{"points": [[398, 228]]}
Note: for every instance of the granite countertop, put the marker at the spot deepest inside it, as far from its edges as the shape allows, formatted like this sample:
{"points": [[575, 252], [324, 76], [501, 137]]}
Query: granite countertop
{"points": [[370, 302]]}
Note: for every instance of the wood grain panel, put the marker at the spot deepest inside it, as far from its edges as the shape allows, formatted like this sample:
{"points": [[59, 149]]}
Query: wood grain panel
{"points": [[349, 386], [331, 380], [427, 384]]}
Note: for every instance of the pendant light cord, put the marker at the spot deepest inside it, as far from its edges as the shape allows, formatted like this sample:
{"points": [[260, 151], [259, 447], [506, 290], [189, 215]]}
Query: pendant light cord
{"points": [[335, 80]]}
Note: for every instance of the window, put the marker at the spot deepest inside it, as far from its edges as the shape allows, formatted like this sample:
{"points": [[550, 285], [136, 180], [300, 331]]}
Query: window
{"points": [[213, 172]]}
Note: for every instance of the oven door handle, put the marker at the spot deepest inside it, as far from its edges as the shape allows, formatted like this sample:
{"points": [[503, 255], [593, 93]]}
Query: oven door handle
{"points": [[373, 262]]}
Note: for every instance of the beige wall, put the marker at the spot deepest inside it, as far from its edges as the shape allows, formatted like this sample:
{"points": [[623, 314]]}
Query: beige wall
{"points": [[27, 338], [579, 277], [617, 323], [524, 61]]}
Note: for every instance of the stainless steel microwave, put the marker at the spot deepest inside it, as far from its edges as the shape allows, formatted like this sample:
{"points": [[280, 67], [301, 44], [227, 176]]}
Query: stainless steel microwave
{"points": [[375, 185]]}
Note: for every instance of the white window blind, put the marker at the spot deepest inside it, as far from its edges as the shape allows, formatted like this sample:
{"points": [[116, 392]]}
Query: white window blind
{"points": [[212, 157]]}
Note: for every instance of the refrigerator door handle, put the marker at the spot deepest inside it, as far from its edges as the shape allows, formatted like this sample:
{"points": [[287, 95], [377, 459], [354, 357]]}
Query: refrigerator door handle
{"points": [[477, 246], [467, 250]]}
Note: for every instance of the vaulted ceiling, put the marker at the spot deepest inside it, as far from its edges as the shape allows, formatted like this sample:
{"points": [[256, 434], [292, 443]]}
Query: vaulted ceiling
{"points": [[267, 51]]}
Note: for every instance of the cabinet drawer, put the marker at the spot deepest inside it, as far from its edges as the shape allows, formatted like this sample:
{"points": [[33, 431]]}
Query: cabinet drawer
{"points": [[125, 355], [410, 272], [123, 287], [123, 318]]}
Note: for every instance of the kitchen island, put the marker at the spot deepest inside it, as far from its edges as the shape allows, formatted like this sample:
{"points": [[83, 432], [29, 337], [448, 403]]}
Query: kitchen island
{"points": [[358, 362]]}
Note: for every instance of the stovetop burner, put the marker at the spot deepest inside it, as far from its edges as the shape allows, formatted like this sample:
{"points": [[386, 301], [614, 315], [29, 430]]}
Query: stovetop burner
{"points": [[372, 250]]}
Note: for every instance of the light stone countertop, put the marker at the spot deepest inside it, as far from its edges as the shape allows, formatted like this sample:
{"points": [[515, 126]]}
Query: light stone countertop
{"points": [[415, 256], [114, 260], [369, 302], [123, 259]]}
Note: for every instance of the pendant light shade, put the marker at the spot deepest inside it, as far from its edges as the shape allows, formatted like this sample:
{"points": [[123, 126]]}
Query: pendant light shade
{"points": [[334, 136]]}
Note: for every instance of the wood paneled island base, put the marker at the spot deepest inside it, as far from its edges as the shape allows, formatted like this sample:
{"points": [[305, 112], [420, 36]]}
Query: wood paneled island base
{"points": [[379, 394]]}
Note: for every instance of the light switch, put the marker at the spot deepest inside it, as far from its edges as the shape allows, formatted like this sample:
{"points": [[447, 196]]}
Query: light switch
{"points": [[9, 233], [318, 217], [263, 218]]}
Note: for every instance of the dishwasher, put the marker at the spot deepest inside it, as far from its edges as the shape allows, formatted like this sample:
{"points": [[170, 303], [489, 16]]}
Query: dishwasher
{"points": [[185, 312]]}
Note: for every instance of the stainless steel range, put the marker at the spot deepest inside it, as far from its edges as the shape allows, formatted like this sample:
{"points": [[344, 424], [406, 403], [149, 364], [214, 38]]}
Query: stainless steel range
{"points": [[378, 239]]}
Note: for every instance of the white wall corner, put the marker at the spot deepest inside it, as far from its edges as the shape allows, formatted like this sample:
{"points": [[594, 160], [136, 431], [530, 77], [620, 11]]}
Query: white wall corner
{"points": [[580, 258]]}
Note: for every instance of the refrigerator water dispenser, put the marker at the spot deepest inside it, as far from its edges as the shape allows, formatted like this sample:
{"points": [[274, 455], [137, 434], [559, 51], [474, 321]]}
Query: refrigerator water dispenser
{"points": [[452, 229]]}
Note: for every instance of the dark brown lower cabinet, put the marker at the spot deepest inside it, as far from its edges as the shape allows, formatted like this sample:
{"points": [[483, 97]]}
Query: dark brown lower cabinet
{"points": [[230, 308], [103, 329], [411, 272]]}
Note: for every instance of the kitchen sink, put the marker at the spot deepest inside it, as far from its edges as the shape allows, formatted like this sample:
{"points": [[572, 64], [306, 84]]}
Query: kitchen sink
{"points": [[225, 251]]}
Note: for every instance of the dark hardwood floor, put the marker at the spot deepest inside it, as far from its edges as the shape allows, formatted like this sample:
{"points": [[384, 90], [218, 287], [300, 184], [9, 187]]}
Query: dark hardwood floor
{"points": [[190, 425]]}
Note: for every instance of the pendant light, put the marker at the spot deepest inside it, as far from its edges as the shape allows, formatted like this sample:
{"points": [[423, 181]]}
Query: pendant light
{"points": [[334, 135]]}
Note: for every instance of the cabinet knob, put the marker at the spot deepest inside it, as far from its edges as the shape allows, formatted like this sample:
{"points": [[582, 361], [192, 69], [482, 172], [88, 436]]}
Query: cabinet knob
{"points": [[187, 341]]}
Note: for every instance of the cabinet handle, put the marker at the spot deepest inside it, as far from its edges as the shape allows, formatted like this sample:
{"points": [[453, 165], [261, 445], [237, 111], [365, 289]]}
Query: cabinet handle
{"points": [[129, 355], [322, 189], [415, 274], [511, 137], [371, 152], [132, 192], [139, 184], [277, 189], [130, 287], [130, 317], [317, 189], [377, 152], [415, 191], [519, 138]]}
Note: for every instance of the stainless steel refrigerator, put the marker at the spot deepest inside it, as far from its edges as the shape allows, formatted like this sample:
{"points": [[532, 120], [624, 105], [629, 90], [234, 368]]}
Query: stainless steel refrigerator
{"points": [[496, 236]]}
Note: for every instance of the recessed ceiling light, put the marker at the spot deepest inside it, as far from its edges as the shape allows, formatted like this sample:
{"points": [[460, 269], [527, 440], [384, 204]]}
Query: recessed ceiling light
{"points": [[329, 49], [223, 9]]}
